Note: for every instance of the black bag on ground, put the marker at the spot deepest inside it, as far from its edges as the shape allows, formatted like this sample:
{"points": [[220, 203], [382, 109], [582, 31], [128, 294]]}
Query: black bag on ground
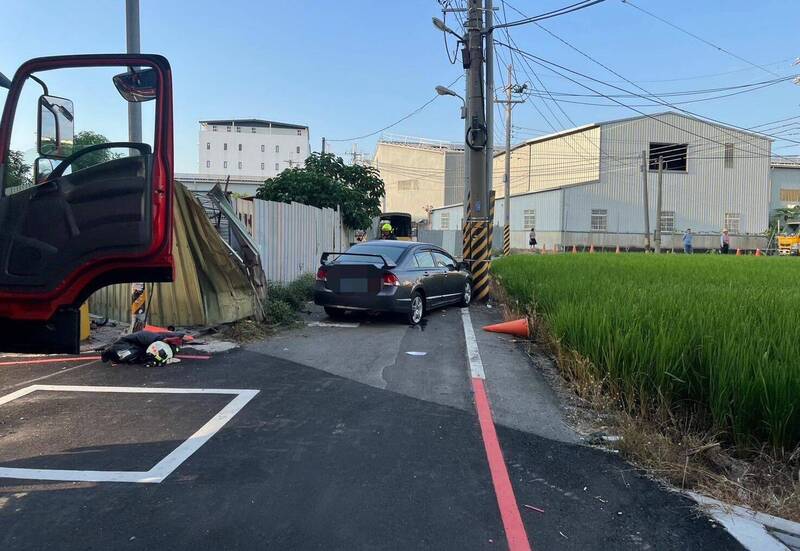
{"points": [[131, 349]]}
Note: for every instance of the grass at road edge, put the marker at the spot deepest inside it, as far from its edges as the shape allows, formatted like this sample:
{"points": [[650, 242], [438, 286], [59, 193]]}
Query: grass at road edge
{"points": [[696, 355]]}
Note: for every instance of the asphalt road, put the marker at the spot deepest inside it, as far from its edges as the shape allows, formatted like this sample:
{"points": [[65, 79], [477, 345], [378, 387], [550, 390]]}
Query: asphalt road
{"points": [[350, 443]]}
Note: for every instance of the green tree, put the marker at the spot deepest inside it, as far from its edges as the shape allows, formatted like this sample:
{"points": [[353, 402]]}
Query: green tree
{"points": [[326, 181], [86, 138], [18, 172]]}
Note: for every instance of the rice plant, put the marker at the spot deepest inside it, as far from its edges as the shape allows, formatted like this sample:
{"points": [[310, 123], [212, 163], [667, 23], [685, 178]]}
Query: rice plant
{"points": [[710, 334]]}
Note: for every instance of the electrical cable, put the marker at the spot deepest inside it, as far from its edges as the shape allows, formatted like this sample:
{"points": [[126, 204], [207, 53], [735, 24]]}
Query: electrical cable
{"points": [[387, 127]]}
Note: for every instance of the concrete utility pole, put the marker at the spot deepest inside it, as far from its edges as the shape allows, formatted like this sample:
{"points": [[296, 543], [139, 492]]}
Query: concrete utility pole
{"points": [[658, 204], [476, 140], [646, 202], [133, 47], [489, 100], [138, 290], [509, 102], [465, 116], [323, 145]]}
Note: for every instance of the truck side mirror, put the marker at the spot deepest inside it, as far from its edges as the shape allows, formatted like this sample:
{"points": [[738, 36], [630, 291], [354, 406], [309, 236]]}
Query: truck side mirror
{"points": [[137, 85], [56, 127]]}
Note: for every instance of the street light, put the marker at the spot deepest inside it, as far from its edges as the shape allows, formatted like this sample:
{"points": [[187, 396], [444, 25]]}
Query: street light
{"points": [[445, 91], [439, 24]]}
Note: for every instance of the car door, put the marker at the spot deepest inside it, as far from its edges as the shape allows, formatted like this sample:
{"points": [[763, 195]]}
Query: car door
{"points": [[430, 276], [453, 280], [82, 216]]}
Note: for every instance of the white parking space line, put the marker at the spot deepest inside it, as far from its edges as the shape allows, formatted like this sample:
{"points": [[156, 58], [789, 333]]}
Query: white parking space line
{"points": [[164, 467], [473, 355]]}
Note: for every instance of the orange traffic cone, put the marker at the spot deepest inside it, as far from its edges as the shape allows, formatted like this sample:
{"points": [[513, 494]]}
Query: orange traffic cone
{"points": [[591, 248], [758, 251], [574, 249], [617, 251], [518, 328], [738, 251]]}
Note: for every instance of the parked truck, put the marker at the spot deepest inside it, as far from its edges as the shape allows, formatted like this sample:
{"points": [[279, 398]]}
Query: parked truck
{"points": [[79, 211], [789, 239]]}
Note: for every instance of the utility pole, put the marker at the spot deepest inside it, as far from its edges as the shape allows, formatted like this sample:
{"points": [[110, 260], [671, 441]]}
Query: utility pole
{"points": [[646, 202], [133, 47], [509, 102], [323, 145], [476, 140], [489, 108], [465, 116], [658, 204]]}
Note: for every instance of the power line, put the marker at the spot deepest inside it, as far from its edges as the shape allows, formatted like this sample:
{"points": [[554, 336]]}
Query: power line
{"points": [[387, 127], [547, 15], [696, 37]]}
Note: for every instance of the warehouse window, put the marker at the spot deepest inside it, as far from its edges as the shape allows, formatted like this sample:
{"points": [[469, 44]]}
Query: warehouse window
{"points": [[262, 166], [253, 130], [276, 166], [674, 155], [599, 220], [728, 155], [262, 148], [214, 128], [208, 164], [224, 164], [238, 128], [229, 128], [277, 149], [408, 185], [208, 145], [225, 147], [298, 149], [667, 221], [732, 220], [240, 164], [528, 219], [299, 132], [790, 195], [240, 147], [445, 221]]}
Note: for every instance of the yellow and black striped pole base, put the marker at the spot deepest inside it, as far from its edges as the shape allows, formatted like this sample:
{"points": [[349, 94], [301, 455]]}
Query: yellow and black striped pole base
{"points": [[481, 258], [506, 241]]}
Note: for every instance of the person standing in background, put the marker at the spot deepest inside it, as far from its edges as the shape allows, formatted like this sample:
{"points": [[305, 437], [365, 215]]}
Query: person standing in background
{"points": [[687, 241], [724, 241], [532, 239]]}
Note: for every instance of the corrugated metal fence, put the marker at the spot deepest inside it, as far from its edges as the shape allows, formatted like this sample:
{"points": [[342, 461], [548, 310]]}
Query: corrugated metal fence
{"points": [[449, 240], [292, 237]]}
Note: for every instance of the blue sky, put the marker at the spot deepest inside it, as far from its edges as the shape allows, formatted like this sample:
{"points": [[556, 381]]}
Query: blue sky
{"points": [[349, 67]]}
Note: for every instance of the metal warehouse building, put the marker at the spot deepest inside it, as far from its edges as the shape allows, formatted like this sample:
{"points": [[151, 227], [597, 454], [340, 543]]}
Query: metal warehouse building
{"points": [[585, 186]]}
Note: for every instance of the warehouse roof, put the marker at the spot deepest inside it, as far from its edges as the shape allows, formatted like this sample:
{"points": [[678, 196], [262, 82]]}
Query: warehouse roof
{"points": [[258, 123]]}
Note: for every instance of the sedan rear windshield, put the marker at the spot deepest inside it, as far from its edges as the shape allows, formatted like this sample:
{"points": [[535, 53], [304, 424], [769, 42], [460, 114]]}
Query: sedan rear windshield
{"points": [[392, 254]]}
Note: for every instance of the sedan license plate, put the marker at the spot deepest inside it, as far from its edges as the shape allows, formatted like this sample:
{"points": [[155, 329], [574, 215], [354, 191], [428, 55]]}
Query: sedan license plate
{"points": [[353, 285]]}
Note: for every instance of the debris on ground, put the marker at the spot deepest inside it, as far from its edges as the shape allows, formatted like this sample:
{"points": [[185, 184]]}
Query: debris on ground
{"points": [[150, 348], [534, 508], [416, 353]]}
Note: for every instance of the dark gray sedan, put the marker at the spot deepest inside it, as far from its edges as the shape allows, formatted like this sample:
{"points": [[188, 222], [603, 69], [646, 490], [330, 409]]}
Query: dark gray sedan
{"points": [[391, 276]]}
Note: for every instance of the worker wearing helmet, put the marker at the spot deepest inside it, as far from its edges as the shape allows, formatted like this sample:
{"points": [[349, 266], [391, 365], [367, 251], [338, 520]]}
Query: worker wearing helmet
{"points": [[387, 232]]}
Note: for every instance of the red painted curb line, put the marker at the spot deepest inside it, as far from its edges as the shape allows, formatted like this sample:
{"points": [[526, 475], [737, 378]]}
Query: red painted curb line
{"points": [[506, 501]]}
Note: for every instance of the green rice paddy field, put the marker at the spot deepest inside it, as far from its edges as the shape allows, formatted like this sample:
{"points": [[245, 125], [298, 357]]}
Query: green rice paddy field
{"points": [[718, 335]]}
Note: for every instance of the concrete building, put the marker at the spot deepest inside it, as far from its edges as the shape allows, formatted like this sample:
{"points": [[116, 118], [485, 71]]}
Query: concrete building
{"points": [[584, 186], [784, 183], [419, 174], [250, 147]]}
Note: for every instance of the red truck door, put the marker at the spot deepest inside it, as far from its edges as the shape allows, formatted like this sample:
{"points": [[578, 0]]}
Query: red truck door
{"points": [[79, 208]]}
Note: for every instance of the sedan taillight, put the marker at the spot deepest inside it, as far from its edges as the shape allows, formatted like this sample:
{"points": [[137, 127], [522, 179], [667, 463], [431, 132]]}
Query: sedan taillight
{"points": [[322, 274], [391, 280]]}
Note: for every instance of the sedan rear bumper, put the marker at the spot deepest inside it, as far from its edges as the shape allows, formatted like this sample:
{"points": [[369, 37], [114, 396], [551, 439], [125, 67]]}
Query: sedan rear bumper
{"points": [[394, 302]]}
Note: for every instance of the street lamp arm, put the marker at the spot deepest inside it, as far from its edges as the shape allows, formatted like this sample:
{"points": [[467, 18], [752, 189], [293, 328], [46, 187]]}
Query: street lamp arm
{"points": [[439, 24]]}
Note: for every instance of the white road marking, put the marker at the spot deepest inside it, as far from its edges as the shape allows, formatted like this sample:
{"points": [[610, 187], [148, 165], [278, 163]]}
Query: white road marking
{"points": [[43, 377], [415, 353], [328, 324], [164, 467], [473, 355]]}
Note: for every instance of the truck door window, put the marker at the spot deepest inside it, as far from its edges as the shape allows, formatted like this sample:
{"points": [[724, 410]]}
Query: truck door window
{"points": [[100, 115]]}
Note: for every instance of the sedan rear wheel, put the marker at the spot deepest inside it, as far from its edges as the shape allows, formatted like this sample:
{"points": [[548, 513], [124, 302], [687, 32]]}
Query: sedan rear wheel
{"points": [[417, 308], [466, 297]]}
